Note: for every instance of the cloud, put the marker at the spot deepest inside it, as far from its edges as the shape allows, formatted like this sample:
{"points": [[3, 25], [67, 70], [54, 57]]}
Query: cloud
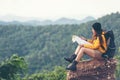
{"points": [[58, 8]]}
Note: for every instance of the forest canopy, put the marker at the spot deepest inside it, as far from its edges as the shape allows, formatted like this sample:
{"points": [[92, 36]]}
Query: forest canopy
{"points": [[44, 47]]}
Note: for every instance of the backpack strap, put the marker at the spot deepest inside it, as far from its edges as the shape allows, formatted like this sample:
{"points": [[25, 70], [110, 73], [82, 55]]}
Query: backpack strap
{"points": [[102, 45]]}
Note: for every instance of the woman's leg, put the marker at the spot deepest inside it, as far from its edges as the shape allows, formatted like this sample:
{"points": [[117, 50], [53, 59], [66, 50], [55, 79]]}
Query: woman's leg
{"points": [[73, 56], [77, 49], [92, 53]]}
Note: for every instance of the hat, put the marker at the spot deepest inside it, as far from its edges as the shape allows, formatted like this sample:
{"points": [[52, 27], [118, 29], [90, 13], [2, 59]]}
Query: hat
{"points": [[97, 27]]}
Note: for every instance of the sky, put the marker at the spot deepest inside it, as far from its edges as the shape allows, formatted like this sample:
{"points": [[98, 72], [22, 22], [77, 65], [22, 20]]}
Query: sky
{"points": [[54, 9]]}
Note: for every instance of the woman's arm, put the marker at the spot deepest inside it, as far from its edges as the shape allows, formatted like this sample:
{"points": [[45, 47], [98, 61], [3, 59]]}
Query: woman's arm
{"points": [[89, 40], [94, 45]]}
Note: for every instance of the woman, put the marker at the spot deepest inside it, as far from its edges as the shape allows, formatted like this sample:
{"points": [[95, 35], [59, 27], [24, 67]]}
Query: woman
{"points": [[95, 50]]}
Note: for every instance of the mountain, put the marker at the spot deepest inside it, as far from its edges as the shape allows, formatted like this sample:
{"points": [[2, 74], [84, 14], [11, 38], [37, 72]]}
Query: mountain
{"points": [[89, 18], [10, 19], [67, 21], [73, 21]]}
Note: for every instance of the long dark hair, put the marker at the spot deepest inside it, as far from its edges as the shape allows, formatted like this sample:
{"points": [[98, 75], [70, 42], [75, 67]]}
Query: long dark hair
{"points": [[99, 35], [97, 27]]}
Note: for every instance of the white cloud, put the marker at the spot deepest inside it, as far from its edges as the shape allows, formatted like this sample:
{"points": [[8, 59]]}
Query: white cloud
{"points": [[52, 9]]}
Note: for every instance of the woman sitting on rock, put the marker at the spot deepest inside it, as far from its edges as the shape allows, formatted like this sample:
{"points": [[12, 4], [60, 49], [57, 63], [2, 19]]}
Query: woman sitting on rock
{"points": [[95, 50]]}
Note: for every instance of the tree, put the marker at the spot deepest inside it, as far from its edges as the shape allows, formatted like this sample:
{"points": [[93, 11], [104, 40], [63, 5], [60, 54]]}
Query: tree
{"points": [[12, 68], [59, 73]]}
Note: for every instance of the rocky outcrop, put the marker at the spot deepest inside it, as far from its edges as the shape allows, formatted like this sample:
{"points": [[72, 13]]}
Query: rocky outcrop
{"points": [[94, 70]]}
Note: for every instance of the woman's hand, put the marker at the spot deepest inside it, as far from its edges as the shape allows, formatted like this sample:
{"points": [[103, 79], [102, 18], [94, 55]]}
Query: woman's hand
{"points": [[81, 46]]}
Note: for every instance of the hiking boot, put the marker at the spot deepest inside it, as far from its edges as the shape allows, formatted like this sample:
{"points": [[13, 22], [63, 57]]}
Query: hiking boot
{"points": [[71, 58], [72, 66]]}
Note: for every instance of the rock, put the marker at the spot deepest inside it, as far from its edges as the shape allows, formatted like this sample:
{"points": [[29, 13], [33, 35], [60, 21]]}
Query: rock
{"points": [[94, 70]]}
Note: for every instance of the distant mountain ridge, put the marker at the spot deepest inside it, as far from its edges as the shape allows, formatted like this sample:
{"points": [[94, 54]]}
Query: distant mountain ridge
{"points": [[35, 21]]}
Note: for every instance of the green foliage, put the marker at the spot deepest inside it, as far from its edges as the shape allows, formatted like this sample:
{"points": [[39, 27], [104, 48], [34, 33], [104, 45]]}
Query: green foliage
{"points": [[59, 73], [12, 68], [118, 67], [45, 46]]}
